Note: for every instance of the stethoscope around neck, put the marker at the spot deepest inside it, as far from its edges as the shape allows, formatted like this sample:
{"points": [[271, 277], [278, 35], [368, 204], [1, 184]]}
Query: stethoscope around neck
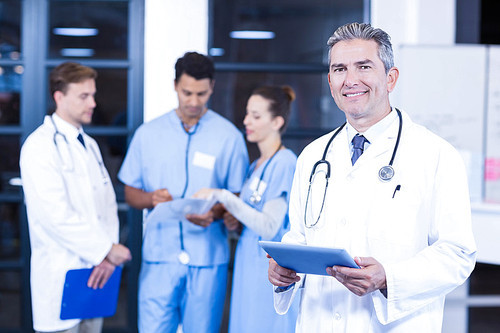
{"points": [[183, 256], [256, 197], [385, 174], [68, 164]]}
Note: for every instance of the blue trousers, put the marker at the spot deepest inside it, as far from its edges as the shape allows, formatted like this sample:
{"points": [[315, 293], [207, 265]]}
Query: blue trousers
{"points": [[172, 293]]}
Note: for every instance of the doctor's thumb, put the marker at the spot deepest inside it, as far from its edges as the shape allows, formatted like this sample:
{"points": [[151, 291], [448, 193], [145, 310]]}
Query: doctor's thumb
{"points": [[365, 261], [360, 261]]}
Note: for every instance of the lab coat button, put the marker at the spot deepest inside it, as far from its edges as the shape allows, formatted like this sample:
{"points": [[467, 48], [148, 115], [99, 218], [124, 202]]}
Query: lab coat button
{"points": [[337, 316]]}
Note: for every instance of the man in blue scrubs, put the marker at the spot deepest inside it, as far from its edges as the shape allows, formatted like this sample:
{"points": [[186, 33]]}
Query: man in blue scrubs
{"points": [[184, 264]]}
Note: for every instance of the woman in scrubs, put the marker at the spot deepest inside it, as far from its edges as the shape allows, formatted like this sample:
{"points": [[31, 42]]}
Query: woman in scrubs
{"points": [[262, 209]]}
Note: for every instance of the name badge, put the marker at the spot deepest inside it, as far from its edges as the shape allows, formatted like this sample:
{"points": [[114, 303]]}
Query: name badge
{"points": [[204, 160], [254, 183]]}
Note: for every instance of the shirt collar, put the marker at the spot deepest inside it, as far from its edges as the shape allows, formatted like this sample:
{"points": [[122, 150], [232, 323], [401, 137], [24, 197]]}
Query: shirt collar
{"points": [[193, 128], [66, 128], [374, 132]]}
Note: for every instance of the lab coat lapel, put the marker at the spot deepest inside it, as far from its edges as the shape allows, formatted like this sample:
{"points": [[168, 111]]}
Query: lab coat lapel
{"points": [[339, 155]]}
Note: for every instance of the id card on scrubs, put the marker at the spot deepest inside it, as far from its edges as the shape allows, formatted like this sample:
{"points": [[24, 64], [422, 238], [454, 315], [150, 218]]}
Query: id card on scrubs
{"points": [[203, 160]]}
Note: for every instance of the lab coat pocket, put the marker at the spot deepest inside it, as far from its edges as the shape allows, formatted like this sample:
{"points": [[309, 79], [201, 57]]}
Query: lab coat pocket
{"points": [[394, 228]]}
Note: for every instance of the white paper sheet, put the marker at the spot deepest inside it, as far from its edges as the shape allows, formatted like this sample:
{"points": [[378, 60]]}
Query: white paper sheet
{"points": [[176, 210]]}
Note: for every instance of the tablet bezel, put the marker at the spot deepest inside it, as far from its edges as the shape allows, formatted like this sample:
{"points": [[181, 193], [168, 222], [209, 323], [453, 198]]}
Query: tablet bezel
{"points": [[307, 259]]}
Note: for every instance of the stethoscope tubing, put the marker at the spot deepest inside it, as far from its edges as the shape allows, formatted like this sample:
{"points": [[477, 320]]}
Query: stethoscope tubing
{"points": [[183, 255], [325, 152], [63, 136], [256, 198], [328, 167], [398, 138]]}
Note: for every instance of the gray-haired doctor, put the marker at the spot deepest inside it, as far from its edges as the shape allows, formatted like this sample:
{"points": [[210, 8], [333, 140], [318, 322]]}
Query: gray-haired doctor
{"points": [[397, 199]]}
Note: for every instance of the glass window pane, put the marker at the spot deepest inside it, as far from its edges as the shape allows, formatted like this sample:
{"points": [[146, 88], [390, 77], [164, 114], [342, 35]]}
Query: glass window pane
{"points": [[484, 319], [113, 150], [489, 29], [88, 29], [313, 112], [10, 29], [10, 87], [484, 280], [312, 109], [300, 28], [111, 98], [9, 168], [9, 231], [10, 292]]}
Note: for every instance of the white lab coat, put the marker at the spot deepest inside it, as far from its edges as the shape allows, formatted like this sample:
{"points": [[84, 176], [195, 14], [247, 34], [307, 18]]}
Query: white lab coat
{"points": [[72, 214], [422, 236]]}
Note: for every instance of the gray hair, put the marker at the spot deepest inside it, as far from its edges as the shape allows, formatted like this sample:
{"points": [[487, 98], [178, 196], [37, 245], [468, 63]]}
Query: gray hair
{"points": [[365, 31]]}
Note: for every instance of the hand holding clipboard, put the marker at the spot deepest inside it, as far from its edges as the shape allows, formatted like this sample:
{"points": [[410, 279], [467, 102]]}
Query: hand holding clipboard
{"points": [[81, 302]]}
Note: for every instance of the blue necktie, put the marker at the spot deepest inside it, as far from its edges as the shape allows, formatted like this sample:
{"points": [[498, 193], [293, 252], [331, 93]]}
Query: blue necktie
{"points": [[80, 138], [358, 144]]}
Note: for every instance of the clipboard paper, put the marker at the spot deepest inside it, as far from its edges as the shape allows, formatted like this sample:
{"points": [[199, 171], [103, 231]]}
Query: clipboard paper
{"points": [[307, 259], [82, 302]]}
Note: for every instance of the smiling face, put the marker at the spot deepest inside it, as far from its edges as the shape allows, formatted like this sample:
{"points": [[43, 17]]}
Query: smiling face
{"points": [[358, 82], [76, 106], [260, 125]]}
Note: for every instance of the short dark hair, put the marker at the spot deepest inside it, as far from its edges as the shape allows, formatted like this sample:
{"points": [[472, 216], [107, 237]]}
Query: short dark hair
{"points": [[196, 65], [69, 72], [280, 99]]}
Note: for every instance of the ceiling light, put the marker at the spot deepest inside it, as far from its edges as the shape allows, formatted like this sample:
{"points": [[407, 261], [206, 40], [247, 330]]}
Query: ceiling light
{"points": [[252, 34], [216, 52], [75, 32], [77, 52]]}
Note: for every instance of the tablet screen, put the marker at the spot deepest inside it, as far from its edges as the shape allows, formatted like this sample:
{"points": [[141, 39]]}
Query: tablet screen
{"points": [[307, 259]]}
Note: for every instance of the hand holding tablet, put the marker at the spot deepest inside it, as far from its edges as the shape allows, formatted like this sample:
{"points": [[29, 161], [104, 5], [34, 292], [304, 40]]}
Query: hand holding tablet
{"points": [[307, 259]]}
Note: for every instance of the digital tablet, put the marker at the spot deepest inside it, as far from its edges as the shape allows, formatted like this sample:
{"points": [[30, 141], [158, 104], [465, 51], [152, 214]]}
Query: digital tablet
{"points": [[307, 259]]}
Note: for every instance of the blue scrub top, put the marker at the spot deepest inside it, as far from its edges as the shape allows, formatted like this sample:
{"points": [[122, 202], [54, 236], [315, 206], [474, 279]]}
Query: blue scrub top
{"points": [[252, 307], [216, 158]]}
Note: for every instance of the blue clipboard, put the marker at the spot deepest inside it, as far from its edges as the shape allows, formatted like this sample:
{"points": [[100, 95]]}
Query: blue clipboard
{"points": [[307, 259], [82, 302]]}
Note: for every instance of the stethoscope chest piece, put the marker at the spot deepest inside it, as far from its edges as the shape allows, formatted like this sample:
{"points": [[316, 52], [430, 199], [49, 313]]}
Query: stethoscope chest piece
{"points": [[255, 198], [386, 173], [183, 257]]}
